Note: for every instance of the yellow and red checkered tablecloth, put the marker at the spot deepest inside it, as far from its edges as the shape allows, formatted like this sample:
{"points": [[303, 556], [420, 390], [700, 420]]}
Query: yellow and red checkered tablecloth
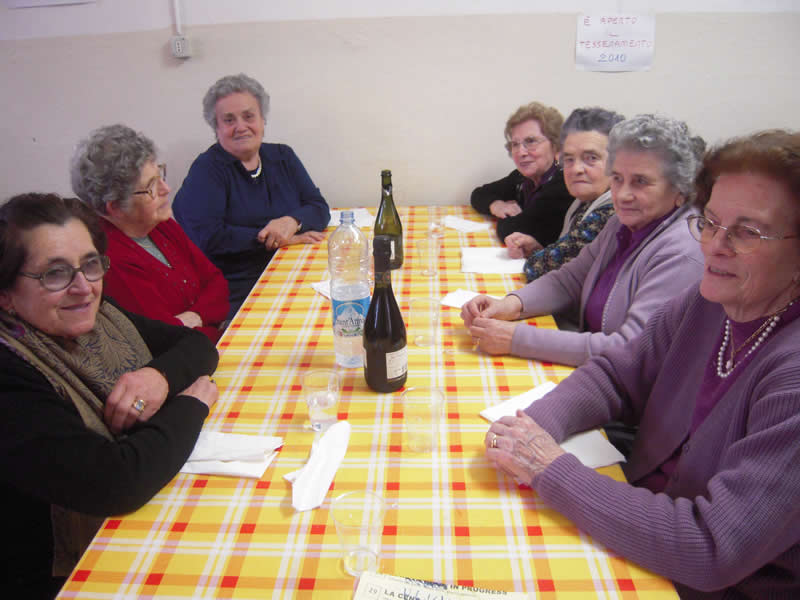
{"points": [[455, 519]]}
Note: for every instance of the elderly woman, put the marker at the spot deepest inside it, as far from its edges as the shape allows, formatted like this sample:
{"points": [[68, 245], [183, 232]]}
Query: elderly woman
{"points": [[244, 199], [101, 407], [642, 257], [584, 142], [714, 382], [532, 199], [157, 271]]}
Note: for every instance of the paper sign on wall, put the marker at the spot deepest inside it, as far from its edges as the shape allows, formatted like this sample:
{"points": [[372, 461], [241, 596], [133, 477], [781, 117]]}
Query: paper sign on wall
{"points": [[614, 42]]}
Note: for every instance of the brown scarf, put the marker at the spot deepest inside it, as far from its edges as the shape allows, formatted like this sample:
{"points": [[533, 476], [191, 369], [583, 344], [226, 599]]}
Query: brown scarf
{"points": [[83, 371]]}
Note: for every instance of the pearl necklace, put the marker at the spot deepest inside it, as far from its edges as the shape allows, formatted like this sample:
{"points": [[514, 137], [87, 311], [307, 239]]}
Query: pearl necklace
{"points": [[762, 333], [258, 170]]}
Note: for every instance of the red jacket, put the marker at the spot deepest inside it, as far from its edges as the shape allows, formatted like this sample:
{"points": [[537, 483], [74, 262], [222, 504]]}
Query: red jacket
{"points": [[142, 284]]}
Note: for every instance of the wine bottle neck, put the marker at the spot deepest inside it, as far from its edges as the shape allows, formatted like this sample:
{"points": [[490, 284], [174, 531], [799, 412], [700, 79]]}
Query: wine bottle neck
{"points": [[383, 279]]}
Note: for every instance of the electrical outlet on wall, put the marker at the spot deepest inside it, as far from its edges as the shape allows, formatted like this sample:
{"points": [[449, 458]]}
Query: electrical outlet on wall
{"points": [[181, 48]]}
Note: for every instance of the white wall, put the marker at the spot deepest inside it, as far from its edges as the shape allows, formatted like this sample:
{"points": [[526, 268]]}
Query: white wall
{"points": [[425, 96]]}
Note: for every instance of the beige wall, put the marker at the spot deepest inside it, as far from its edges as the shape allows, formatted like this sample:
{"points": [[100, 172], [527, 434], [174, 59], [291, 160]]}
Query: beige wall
{"points": [[424, 96]]}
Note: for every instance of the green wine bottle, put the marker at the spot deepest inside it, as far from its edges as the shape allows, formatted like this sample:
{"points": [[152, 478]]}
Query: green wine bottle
{"points": [[385, 351], [387, 222]]}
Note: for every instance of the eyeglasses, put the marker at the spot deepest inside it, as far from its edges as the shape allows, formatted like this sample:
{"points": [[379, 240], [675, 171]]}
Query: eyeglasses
{"points": [[151, 190], [529, 143], [60, 277], [742, 238]]}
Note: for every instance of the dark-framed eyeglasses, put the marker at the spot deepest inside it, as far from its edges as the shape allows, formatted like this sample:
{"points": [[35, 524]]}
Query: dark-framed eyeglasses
{"points": [[151, 190], [742, 238], [529, 143], [59, 277]]}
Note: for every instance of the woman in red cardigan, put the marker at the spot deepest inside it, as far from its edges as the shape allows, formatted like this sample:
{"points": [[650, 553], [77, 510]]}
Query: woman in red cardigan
{"points": [[156, 270]]}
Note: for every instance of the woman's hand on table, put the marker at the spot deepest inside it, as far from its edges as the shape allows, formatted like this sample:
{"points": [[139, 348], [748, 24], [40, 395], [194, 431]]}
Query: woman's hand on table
{"points": [[307, 237], [278, 232], [520, 245], [507, 309], [520, 448], [204, 389], [190, 319], [136, 396], [505, 208], [492, 336]]}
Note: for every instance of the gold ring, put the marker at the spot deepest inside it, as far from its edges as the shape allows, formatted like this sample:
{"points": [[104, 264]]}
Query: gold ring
{"points": [[139, 404], [494, 441]]}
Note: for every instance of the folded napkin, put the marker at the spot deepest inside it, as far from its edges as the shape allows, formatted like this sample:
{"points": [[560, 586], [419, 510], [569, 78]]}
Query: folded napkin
{"points": [[361, 217], [590, 447], [465, 226], [460, 297], [232, 454], [489, 260], [310, 483], [323, 287]]}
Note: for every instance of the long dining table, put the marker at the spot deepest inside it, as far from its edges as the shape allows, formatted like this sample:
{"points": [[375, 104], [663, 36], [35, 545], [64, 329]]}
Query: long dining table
{"points": [[453, 518]]}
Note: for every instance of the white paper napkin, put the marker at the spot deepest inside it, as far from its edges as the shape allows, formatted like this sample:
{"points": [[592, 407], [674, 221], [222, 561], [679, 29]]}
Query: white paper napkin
{"points": [[232, 454], [361, 216], [489, 260], [460, 297], [591, 447], [323, 287], [311, 482], [464, 225]]}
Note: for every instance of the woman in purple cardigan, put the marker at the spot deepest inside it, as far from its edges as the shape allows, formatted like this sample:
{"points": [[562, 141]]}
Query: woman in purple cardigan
{"points": [[714, 384]]}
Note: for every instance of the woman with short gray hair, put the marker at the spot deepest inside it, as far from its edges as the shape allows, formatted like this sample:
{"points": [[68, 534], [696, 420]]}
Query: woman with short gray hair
{"points": [[156, 269], [243, 199], [644, 256]]}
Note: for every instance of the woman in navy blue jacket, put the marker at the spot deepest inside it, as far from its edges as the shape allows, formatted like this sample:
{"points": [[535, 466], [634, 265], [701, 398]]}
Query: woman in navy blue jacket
{"points": [[244, 199]]}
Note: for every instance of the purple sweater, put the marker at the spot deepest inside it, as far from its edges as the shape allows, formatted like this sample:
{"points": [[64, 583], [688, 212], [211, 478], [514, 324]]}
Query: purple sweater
{"points": [[728, 522]]}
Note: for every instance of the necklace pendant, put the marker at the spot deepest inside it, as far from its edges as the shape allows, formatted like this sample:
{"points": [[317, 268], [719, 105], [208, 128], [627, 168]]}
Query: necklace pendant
{"points": [[729, 364]]}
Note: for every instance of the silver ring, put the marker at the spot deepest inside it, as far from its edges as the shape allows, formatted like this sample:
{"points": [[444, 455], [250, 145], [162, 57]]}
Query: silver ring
{"points": [[493, 443], [139, 404]]}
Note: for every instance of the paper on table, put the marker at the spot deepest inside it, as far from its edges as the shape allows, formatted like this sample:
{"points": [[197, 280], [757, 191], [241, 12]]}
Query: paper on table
{"points": [[460, 297], [361, 216], [591, 447], [323, 287], [379, 586], [489, 260], [311, 482], [464, 225], [232, 454]]}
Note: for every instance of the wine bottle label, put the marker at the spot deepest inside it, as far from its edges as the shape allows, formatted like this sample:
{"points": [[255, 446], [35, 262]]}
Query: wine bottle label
{"points": [[397, 363], [348, 317], [392, 253]]}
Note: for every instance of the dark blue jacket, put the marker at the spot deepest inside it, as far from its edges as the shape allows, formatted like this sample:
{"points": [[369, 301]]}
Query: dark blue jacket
{"points": [[222, 209]]}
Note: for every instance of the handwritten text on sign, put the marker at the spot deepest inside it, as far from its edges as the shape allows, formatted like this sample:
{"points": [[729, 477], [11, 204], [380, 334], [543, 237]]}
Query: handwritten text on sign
{"points": [[613, 42]]}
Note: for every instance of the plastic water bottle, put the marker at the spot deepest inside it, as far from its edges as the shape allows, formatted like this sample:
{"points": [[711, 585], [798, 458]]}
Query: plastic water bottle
{"points": [[348, 263]]}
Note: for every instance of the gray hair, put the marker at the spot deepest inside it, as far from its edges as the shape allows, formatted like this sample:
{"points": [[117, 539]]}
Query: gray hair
{"points": [[589, 119], [107, 165], [231, 84], [668, 139]]}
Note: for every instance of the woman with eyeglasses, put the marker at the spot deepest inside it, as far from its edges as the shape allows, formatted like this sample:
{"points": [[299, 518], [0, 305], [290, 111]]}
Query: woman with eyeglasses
{"points": [[714, 383], [643, 256], [156, 270], [533, 198], [243, 199], [101, 407]]}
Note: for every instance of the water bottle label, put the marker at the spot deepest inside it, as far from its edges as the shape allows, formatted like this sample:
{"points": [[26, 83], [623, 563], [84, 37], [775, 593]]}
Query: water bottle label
{"points": [[396, 363], [348, 317]]}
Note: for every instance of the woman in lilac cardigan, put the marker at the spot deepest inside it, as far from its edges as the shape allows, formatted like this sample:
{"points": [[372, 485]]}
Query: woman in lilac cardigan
{"points": [[714, 384], [642, 257]]}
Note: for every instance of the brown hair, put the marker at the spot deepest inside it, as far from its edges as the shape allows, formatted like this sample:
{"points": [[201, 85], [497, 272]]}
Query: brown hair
{"points": [[28, 211], [549, 119], [774, 153]]}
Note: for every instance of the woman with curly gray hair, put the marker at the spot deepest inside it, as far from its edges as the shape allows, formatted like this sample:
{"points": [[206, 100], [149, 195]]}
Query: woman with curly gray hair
{"points": [[642, 257], [244, 199], [157, 270]]}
